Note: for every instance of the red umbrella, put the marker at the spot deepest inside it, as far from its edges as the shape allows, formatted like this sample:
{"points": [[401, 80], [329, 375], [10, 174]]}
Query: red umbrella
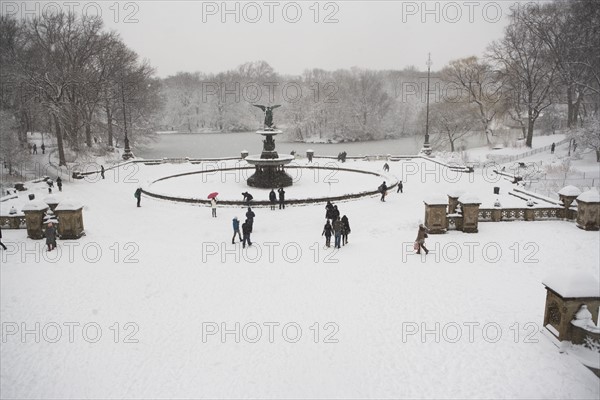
{"points": [[213, 195]]}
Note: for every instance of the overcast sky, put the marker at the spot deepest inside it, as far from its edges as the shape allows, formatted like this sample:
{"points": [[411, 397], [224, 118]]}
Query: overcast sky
{"points": [[202, 36]]}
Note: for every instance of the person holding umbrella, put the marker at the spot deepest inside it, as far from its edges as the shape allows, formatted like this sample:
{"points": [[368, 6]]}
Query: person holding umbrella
{"points": [[213, 203]]}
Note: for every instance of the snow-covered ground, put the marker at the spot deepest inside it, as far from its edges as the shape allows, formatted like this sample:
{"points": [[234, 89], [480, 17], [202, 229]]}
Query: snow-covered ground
{"points": [[166, 287]]}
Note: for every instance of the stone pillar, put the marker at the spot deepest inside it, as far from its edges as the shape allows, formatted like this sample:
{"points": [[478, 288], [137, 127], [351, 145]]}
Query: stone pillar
{"points": [[496, 214], [309, 154], [452, 203], [470, 211], [436, 219], [588, 210], [70, 216], [34, 216], [529, 214], [564, 297]]}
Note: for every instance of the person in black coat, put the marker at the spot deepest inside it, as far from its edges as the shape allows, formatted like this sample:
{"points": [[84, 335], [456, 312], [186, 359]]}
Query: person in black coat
{"points": [[329, 210], [250, 218], [335, 213], [272, 198], [383, 190], [59, 183], [51, 236], [247, 197], [345, 230], [386, 167], [43, 147], [400, 187], [1, 244], [138, 196], [327, 231], [281, 198], [102, 171], [246, 230]]}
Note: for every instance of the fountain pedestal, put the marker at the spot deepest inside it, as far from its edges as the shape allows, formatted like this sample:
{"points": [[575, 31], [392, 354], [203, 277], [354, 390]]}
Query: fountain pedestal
{"points": [[269, 172]]}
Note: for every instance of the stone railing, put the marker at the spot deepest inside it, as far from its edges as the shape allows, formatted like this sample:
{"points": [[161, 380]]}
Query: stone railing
{"points": [[16, 221]]}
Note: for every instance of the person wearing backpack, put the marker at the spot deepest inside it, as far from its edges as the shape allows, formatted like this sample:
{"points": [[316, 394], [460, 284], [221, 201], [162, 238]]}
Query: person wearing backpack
{"points": [[138, 196], [327, 231]]}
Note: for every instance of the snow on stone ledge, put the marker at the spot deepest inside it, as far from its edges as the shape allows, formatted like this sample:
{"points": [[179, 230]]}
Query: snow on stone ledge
{"points": [[69, 205], [435, 199], [576, 284], [469, 198], [570, 191], [456, 193], [34, 205], [591, 196], [51, 200]]}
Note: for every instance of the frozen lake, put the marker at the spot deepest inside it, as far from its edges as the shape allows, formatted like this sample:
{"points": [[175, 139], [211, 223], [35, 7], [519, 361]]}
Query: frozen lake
{"points": [[230, 144]]}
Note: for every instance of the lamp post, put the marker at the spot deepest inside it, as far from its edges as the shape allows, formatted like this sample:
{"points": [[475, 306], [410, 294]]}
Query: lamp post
{"points": [[127, 154], [426, 146]]}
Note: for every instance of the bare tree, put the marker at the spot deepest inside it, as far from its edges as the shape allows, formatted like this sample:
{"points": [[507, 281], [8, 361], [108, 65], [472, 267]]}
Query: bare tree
{"points": [[527, 71]]}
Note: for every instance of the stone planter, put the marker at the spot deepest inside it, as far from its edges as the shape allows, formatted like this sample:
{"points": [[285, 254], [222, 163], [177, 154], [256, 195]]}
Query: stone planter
{"points": [[34, 216], [564, 297], [70, 216], [588, 210], [470, 211], [436, 219]]}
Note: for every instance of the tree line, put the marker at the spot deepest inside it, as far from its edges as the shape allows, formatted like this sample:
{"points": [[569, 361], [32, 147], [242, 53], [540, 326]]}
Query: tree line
{"points": [[63, 73]]}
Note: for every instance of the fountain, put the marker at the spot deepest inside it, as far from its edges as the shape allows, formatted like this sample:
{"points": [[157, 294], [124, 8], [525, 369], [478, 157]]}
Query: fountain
{"points": [[269, 172]]}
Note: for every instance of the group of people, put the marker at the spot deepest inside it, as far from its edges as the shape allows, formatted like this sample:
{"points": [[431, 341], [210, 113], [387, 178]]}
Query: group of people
{"points": [[247, 227], [50, 184], [342, 156], [273, 198], [339, 228], [33, 148]]}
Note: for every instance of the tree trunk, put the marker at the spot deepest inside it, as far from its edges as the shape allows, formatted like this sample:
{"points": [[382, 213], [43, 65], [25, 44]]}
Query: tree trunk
{"points": [[109, 125], [88, 134], [570, 106], [598, 155], [530, 125], [59, 142]]}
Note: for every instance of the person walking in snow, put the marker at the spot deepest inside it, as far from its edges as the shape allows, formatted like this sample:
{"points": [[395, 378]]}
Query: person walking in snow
{"points": [[345, 230], [102, 171], [383, 189], [329, 210], [247, 197], [281, 198], [34, 148], [43, 147], [552, 148], [138, 196], [246, 230], [213, 206], [250, 218], [335, 213], [236, 230], [386, 167], [327, 231], [420, 241], [337, 231], [51, 236], [59, 183], [400, 187], [273, 199]]}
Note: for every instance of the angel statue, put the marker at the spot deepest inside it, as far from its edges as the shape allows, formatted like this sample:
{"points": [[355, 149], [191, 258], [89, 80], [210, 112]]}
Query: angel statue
{"points": [[268, 110]]}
